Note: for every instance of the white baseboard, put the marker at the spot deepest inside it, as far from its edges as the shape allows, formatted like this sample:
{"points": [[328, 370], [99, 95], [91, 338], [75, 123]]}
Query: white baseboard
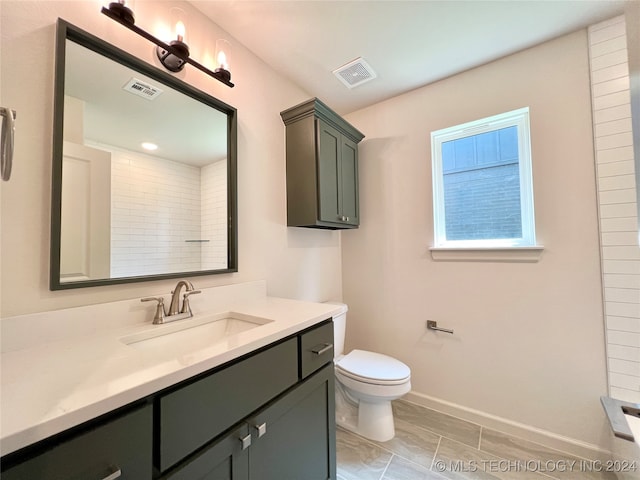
{"points": [[520, 430]]}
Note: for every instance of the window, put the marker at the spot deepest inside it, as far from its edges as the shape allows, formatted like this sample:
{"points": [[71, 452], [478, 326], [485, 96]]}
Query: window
{"points": [[482, 185]]}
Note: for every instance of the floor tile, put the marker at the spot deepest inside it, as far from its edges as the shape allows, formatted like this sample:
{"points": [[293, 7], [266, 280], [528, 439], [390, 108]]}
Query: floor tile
{"points": [[433, 446], [457, 461], [401, 469], [359, 459], [535, 457], [413, 443], [439, 423]]}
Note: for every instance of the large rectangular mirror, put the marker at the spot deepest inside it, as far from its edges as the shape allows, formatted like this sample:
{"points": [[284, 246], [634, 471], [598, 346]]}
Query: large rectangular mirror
{"points": [[144, 171]]}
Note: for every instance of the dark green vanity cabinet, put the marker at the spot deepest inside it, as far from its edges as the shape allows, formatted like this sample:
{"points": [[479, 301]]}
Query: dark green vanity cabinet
{"points": [[291, 433], [322, 167], [291, 438], [119, 447], [269, 415], [216, 402]]}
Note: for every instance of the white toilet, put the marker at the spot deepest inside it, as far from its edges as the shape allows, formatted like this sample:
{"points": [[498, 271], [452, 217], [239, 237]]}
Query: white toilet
{"points": [[366, 383]]}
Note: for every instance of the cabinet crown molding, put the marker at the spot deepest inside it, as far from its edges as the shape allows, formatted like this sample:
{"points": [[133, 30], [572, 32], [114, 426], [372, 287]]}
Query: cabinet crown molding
{"points": [[316, 107]]}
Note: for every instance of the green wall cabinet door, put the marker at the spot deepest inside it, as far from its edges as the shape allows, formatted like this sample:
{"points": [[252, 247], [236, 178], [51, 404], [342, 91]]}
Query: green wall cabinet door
{"points": [[322, 167], [349, 187]]}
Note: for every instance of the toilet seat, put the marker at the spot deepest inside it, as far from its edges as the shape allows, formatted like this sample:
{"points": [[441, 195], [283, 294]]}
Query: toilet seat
{"points": [[373, 368]]}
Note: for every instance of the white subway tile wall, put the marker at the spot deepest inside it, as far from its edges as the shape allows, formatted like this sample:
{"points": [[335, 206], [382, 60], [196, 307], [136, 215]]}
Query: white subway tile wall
{"points": [[618, 209], [214, 215], [155, 210], [166, 216]]}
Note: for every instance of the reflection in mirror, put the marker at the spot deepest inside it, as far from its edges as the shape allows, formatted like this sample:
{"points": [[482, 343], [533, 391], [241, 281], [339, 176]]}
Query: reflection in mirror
{"points": [[144, 181]]}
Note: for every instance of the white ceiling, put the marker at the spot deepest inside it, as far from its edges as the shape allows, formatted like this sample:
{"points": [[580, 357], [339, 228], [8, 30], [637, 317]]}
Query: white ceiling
{"points": [[116, 117], [407, 43]]}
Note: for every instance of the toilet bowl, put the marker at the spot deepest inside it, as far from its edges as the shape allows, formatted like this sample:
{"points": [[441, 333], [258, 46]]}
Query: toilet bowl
{"points": [[366, 383]]}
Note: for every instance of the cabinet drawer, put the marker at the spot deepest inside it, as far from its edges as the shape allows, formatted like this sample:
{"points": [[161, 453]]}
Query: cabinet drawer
{"points": [[123, 444], [316, 348], [195, 414]]}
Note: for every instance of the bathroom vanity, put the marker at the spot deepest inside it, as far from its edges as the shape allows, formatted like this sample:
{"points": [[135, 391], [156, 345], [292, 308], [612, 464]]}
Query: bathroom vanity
{"points": [[257, 405]]}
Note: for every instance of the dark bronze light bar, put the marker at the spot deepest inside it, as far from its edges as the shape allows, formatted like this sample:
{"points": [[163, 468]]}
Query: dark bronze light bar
{"points": [[124, 16]]}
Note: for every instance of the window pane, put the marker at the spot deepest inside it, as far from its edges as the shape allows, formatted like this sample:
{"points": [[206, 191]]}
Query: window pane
{"points": [[482, 190]]}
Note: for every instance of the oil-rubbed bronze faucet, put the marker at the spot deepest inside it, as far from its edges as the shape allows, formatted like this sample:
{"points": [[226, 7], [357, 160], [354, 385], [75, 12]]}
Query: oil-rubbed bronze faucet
{"points": [[175, 312]]}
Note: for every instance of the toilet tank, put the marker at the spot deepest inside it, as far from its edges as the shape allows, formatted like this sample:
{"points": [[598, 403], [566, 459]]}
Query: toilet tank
{"points": [[339, 328]]}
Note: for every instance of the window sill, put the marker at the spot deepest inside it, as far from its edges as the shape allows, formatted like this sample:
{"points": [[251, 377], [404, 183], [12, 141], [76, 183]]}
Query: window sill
{"points": [[487, 254]]}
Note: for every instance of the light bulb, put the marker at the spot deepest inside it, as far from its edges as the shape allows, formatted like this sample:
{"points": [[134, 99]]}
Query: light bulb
{"points": [[180, 31], [223, 53], [178, 19]]}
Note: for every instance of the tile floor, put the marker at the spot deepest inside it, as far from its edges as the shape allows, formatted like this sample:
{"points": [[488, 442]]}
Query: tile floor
{"points": [[433, 446]]}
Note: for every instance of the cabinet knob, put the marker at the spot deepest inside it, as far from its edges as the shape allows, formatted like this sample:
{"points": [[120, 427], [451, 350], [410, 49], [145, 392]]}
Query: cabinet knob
{"points": [[246, 441], [261, 429]]}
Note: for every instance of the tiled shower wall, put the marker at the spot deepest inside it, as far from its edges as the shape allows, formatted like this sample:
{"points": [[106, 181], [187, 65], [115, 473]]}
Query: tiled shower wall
{"points": [[155, 211], [214, 215], [618, 210]]}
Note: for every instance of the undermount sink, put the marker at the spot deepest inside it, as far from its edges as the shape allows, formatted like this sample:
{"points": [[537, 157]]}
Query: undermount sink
{"points": [[194, 333]]}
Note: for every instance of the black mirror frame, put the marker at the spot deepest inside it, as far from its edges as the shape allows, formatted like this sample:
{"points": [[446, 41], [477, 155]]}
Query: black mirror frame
{"points": [[67, 31]]}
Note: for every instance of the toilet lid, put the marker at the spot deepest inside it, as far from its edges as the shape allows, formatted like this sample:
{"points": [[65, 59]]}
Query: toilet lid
{"points": [[373, 367]]}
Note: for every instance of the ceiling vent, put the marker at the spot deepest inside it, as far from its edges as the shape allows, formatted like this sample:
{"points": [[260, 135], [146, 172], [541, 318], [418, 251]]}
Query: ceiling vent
{"points": [[142, 89], [355, 73]]}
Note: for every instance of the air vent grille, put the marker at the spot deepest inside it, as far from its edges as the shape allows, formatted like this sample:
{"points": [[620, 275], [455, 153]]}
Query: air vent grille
{"points": [[355, 73]]}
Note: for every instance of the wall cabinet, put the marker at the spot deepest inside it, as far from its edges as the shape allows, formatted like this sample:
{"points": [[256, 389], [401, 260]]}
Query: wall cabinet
{"points": [[322, 167], [267, 416]]}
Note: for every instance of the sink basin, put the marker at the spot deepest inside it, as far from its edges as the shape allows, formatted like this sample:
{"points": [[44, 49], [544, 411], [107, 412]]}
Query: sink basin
{"points": [[194, 333]]}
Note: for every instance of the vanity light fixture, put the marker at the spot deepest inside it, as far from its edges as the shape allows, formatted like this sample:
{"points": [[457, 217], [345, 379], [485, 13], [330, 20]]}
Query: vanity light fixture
{"points": [[172, 62], [223, 54], [173, 55]]}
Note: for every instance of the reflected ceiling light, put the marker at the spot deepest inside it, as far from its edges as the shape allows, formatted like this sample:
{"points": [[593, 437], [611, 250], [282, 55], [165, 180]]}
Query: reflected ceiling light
{"points": [[175, 54], [149, 146]]}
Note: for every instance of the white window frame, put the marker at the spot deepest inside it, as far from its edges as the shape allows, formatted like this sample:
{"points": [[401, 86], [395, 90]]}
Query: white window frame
{"points": [[518, 118]]}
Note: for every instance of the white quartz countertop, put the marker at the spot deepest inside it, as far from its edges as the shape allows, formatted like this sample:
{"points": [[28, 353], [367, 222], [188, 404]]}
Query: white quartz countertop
{"points": [[50, 386]]}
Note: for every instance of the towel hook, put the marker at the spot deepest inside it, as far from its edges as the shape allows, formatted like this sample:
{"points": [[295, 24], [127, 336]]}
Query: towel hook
{"points": [[7, 142]]}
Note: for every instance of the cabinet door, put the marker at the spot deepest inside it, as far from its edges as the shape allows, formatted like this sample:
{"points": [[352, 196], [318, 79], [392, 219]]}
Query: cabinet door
{"points": [[294, 438], [225, 459], [119, 449], [328, 165], [349, 181]]}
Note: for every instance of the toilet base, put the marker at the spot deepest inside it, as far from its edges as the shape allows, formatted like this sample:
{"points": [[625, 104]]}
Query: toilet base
{"points": [[370, 420], [375, 421]]}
